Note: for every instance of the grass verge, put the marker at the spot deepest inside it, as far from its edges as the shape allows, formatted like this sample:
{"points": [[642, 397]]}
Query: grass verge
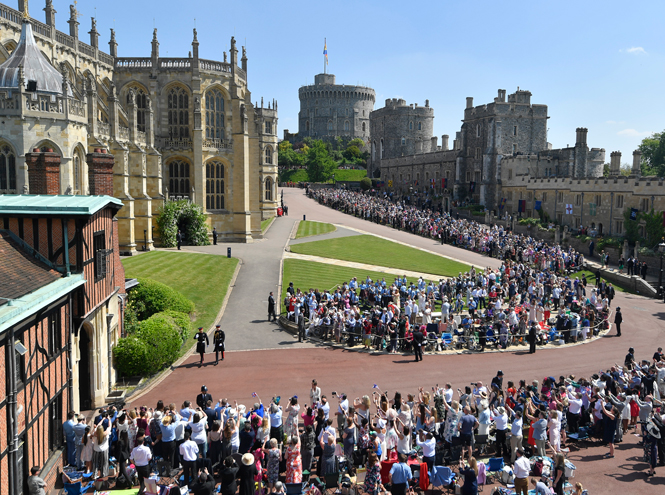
{"points": [[307, 228], [376, 251], [591, 279], [266, 223], [202, 278]]}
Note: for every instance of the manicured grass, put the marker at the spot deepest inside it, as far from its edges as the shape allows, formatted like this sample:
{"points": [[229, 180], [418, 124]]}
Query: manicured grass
{"points": [[309, 274], [294, 175], [350, 174], [591, 279], [307, 228], [202, 278], [376, 251], [266, 223]]}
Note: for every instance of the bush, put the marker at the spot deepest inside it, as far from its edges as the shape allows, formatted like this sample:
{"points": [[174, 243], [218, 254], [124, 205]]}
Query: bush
{"points": [[529, 221], [186, 213], [150, 297], [181, 320], [162, 339], [130, 354], [365, 183]]}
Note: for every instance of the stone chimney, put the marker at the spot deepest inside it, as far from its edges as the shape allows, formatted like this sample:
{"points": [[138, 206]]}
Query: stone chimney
{"points": [[100, 172], [615, 163], [637, 163], [444, 142], [427, 103], [469, 102], [581, 133], [501, 98], [435, 143], [43, 172]]}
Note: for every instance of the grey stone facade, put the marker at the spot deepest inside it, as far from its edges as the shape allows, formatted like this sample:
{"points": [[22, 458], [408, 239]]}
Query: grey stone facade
{"points": [[329, 110]]}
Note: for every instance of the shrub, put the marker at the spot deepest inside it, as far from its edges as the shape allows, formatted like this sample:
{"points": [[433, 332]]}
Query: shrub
{"points": [[184, 213], [161, 337], [130, 354], [150, 297], [181, 320], [365, 183]]}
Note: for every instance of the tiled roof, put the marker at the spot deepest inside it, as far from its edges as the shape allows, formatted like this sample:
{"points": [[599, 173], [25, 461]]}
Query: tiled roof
{"points": [[21, 274]]}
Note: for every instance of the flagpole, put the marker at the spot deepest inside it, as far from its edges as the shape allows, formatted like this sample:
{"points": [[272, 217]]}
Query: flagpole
{"points": [[325, 45]]}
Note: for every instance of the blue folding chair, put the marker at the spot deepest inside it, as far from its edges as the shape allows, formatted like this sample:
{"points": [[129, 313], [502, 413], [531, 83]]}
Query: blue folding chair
{"points": [[446, 339], [495, 466], [77, 488], [441, 477]]}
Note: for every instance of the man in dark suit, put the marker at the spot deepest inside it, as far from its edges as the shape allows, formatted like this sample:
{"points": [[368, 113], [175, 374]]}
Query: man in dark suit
{"points": [[214, 236], [418, 339], [532, 339], [618, 319], [271, 307], [178, 238], [204, 485]]}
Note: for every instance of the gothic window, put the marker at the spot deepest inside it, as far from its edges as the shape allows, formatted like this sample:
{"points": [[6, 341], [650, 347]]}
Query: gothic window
{"points": [[77, 174], [268, 155], [178, 113], [403, 141], [179, 178], [330, 125], [141, 108], [215, 186], [7, 170], [268, 189], [268, 127], [346, 125], [214, 114], [363, 127]]}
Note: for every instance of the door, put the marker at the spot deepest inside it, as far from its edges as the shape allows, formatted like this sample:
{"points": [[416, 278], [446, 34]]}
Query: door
{"points": [[85, 394]]}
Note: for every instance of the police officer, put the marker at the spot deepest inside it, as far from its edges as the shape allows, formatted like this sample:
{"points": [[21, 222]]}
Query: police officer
{"points": [[203, 398], [214, 236], [202, 341], [218, 340]]}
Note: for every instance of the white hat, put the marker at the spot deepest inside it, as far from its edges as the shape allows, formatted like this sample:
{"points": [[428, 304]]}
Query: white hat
{"points": [[653, 430], [248, 459]]}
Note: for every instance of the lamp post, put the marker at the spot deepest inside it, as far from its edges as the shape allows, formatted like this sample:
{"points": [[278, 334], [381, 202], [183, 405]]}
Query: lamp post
{"points": [[661, 250]]}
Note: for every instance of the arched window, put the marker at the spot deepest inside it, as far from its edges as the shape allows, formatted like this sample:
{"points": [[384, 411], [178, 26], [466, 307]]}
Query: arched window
{"points": [[7, 170], [373, 149], [179, 178], [178, 112], [403, 141], [268, 159], [346, 125], [78, 186], [381, 149], [363, 127], [268, 194], [141, 107], [214, 185], [330, 125], [214, 114], [410, 126], [307, 125], [420, 126]]}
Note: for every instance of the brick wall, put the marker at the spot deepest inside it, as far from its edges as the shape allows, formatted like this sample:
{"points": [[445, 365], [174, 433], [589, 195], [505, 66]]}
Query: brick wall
{"points": [[100, 172], [43, 171]]}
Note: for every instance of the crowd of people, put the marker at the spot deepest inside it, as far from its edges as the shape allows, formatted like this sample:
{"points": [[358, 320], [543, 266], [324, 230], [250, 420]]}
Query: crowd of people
{"points": [[218, 441]]}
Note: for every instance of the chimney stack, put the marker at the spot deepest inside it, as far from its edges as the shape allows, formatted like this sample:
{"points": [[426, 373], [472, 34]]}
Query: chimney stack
{"points": [[43, 172], [581, 136], [637, 163], [469, 102], [615, 163], [444, 142], [435, 143], [100, 172]]}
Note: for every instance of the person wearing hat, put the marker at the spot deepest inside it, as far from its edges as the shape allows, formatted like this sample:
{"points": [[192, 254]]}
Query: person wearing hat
{"points": [[218, 341], [203, 398], [651, 440], [201, 343], [618, 319]]}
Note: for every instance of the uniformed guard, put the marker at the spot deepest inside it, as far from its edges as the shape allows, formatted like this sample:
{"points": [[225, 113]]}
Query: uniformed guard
{"points": [[218, 340], [202, 341]]}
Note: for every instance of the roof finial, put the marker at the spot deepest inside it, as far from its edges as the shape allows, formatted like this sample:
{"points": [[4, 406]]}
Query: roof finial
{"points": [[26, 15]]}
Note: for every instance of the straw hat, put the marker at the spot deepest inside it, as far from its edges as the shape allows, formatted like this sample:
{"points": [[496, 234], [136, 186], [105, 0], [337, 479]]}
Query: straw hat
{"points": [[653, 430], [248, 459]]}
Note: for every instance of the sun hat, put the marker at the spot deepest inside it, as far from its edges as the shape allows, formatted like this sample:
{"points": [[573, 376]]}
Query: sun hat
{"points": [[248, 459], [653, 430]]}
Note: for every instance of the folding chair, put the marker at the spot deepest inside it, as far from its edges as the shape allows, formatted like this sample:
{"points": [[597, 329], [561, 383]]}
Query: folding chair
{"points": [[481, 441], [495, 466], [77, 488], [441, 476], [331, 482], [294, 488], [446, 340]]}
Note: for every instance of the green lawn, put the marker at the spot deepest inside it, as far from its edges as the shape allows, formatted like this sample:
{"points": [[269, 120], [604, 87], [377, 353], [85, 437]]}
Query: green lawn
{"points": [[309, 274], [351, 175], [591, 279], [300, 175], [307, 228], [202, 278], [376, 251], [266, 223], [294, 175]]}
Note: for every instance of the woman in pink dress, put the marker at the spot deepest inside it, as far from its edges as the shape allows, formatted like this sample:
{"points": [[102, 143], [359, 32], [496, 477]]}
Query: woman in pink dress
{"points": [[257, 452], [293, 461]]}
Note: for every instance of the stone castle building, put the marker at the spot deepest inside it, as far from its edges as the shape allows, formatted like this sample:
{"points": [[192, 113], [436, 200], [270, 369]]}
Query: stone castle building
{"points": [[175, 127], [329, 110]]}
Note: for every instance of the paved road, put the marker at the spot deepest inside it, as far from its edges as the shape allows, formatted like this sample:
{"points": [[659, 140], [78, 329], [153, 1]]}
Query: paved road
{"points": [[245, 319]]}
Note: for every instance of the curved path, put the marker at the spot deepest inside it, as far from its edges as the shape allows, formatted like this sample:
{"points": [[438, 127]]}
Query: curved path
{"points": [[289, 370]]}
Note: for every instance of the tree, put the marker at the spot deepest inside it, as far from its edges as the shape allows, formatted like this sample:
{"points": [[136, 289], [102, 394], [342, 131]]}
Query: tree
{"points": [[365, 183], [631, 227], [287, 157], [320, 166], [653, 154]]}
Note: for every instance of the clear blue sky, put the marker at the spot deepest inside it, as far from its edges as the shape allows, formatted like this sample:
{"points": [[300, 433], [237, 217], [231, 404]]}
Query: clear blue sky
{"points": [[596, 64]]}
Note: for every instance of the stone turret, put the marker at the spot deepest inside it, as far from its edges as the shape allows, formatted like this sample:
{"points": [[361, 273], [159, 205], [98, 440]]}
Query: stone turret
{"points": [[615, 163], [113, 45], [637, 163]]}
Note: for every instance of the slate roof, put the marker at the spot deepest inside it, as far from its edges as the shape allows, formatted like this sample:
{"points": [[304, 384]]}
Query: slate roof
{"points": [[20, 273]]}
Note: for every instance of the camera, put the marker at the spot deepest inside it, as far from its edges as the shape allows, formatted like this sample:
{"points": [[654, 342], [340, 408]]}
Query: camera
{"points": [[475, 384], [333, 393]]}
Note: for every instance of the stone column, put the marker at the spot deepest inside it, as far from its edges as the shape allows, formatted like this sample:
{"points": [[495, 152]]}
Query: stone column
{"points": [[43, 172], [635, 251]]}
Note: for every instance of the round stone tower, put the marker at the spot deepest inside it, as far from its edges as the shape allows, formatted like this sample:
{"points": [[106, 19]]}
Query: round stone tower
{"points": [[329, 110], [399, 129]]}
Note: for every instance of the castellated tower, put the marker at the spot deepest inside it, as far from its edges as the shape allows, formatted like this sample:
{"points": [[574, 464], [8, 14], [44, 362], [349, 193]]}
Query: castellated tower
{"points": [[399, 130], [329, 110]]}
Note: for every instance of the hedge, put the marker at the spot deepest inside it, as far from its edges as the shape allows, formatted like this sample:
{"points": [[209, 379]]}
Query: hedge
{"points": [[150, 297], [181, 320], [131, 355]]}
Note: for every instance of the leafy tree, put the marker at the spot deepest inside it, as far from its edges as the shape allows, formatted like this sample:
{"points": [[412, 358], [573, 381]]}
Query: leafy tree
{"points": [[351, 153], [357, 142], [653, 154], [653, 228], [320, 166], [631, 227], [365, 183], [287, 157]]}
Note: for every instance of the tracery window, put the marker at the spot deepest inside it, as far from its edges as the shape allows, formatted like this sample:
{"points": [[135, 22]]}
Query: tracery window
{"points": [[268, 194], [214, 114], [179, 178], [178, 113], [7, 170], [214, 185], [330, 125], [268, 155], [346, 125], [141, 107]]}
